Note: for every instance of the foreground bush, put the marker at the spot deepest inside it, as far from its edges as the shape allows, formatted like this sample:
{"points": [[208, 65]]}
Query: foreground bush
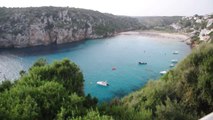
{"points": [[46, 92]]}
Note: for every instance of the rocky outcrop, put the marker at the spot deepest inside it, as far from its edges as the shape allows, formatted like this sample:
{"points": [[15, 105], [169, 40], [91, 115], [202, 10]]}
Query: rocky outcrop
{"points": [[24, 27], [198, 27]]}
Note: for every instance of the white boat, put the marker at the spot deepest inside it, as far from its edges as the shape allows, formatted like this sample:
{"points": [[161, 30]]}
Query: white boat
{"points": [[163, 72], [174, 61], [175, 52], [172, 65], [142, 63], [103, 83]]}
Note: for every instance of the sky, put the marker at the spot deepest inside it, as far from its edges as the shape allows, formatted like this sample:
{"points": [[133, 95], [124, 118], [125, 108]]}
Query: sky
{"points": [[125, 7]]}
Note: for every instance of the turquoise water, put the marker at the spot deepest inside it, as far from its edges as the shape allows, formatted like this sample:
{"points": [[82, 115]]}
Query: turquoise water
{"points": [[96, 58]]}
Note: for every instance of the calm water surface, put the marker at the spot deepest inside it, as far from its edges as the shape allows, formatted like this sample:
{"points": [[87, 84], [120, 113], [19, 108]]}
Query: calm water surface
{"points": [[96, 58]]}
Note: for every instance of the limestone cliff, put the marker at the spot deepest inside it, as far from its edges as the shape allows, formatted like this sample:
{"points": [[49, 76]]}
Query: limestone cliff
{"points": [[24, 27]]}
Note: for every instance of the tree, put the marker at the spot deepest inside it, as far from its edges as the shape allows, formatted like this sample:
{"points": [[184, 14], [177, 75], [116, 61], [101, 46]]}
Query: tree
{"points": [[46, 91], [171, 110], [40, 62], [93, 115], [22, 72], [5, 85], [64, 72]]}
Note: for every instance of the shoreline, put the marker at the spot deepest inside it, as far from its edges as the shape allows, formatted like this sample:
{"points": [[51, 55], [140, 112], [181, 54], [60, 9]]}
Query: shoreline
{"points": [[183, 37], [152, 33]]}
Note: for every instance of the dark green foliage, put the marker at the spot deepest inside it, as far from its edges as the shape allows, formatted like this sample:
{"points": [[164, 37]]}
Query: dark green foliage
{"points": [[90, 101], [171, 110], [5, 85], [46, 92], [40, 62], [22, 72], [93, 115], [120, 112]]}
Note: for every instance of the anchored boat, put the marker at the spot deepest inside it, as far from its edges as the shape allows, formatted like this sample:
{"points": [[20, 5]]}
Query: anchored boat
{"points": [[103, 83], [163, 72], [174, 61], [142, 63], [113, 68], [172, 65], [175, 52]]}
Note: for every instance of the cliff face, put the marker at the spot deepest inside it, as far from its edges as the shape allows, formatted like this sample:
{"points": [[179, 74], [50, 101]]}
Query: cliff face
{"points": [[23, 27]]}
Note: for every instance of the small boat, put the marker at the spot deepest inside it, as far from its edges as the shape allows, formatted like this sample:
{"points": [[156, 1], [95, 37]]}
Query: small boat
{"points": [[103, 83], [142, 63], [113, 68], [174, 61], [163, 72], [175, 52], [172, 65]]}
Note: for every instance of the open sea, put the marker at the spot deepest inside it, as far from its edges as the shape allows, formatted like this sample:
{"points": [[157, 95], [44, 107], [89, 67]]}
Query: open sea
{"points": [[96, 58]]}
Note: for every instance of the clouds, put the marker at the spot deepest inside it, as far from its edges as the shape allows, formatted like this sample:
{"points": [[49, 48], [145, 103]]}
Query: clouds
{"points": [[125, 7]]}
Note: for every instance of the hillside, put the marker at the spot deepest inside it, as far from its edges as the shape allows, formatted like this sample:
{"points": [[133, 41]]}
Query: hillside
{"points": [[157, 22], [23, 27], [198, 27], [184, 93]]}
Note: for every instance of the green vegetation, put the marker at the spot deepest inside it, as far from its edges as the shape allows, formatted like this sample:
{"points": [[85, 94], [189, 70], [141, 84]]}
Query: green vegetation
{"points": [[101, 29], [46, 92], [211, 36], [159, 23], [186, 23], [55, 91]]}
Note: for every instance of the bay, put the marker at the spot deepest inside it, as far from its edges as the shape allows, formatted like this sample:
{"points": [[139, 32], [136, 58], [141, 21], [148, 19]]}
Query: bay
{"points": [[96, 58]]}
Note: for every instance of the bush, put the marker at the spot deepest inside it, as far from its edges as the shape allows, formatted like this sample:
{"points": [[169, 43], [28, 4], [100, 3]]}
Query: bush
{"points": [[46, 92]]}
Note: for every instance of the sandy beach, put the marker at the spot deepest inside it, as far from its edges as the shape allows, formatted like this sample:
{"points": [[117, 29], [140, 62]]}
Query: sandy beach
{"points": [[150, 33]]}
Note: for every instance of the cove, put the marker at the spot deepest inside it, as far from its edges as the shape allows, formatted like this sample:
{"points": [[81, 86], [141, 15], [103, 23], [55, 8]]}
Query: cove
{"points": [[96, 58]]}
